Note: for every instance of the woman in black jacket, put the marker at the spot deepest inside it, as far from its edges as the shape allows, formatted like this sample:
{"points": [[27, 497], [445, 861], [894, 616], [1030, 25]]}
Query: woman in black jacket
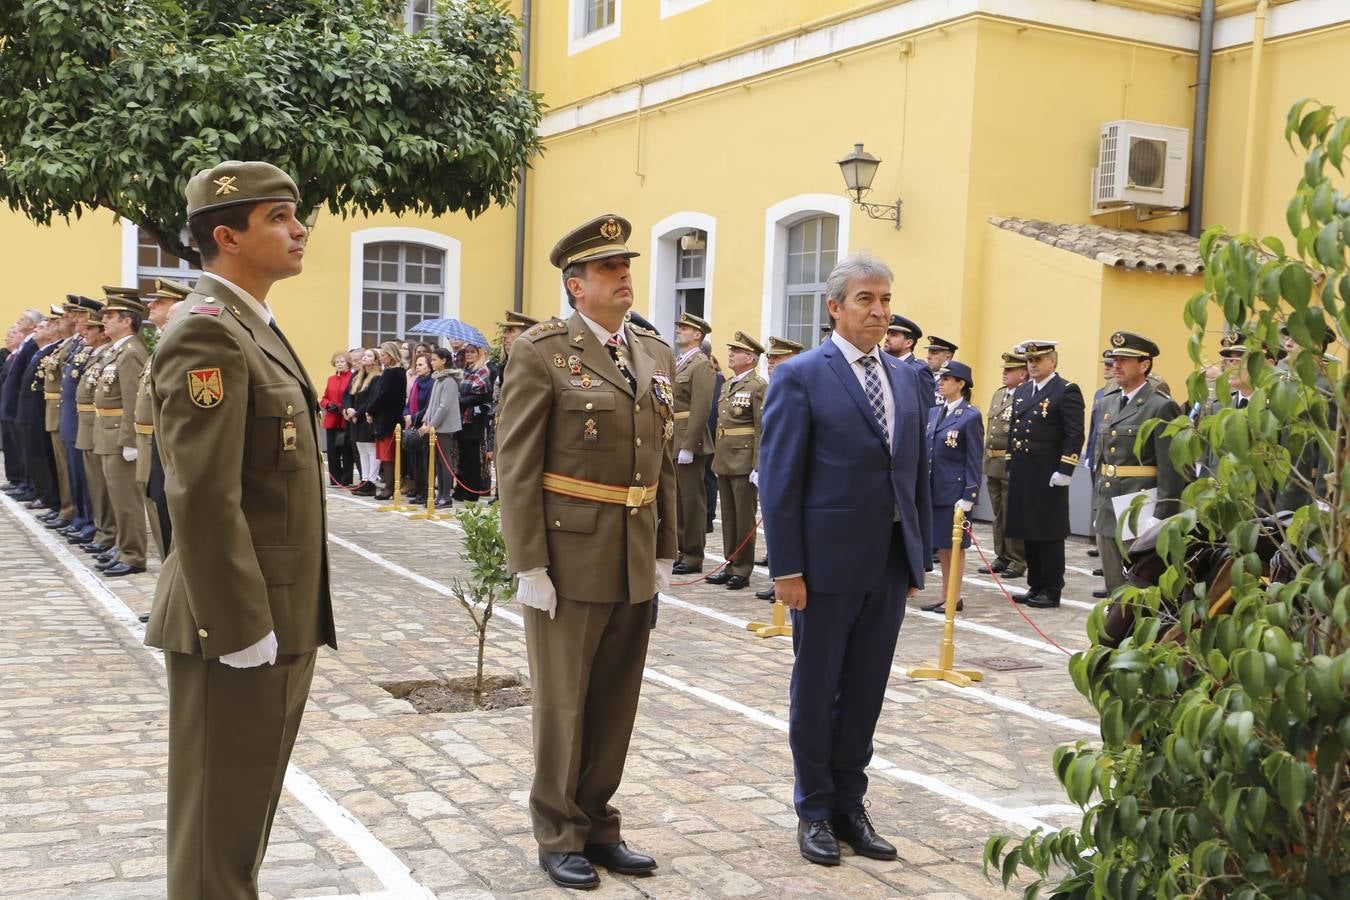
{"points": [[359, 432], [475, 403], [384, 411]]}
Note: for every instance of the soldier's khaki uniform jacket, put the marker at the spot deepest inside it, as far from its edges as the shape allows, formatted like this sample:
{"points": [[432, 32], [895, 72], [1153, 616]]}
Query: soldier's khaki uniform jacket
{"points": [[999, 426], [52, 368], [1120, 470], [119, 370], [84, 395], [144, 418], [695, 384], [235, 417], [739, 410], [571, 429]]}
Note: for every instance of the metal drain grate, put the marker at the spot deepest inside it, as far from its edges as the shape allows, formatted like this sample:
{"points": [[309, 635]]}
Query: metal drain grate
{"points": [[1004, 663]]}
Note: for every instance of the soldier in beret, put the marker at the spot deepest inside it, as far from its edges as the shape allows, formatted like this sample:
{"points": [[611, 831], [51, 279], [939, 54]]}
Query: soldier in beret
{"points": [[587, 484], [736, 459], [695, 393], [1121, 469], [243, 600], [1011, 560]]}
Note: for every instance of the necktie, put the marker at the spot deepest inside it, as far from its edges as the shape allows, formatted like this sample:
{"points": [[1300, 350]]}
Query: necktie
{"points": [[616, 354], [872, 387], [1242, 403], [1124, 402]]}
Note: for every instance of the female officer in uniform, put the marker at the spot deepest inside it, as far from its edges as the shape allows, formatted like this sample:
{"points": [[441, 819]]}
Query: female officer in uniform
{"points": [[955, 452]]}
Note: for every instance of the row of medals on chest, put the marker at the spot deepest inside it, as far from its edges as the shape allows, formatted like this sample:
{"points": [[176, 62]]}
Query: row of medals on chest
{"points": [[661, 389]]}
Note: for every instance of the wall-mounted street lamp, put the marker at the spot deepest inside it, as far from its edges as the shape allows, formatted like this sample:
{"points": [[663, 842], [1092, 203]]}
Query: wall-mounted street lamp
{"points": [[859, 168]]}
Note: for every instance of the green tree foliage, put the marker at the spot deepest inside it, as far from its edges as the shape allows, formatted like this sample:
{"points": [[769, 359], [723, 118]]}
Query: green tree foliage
{"points": [[1225, 719], [488, 583], [116, 105]]}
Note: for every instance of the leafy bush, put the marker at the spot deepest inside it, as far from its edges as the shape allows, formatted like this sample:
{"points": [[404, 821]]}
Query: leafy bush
{"points": [[488, 583]]}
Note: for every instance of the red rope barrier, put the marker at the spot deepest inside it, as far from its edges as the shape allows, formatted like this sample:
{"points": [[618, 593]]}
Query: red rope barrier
{"points": [[358, 487], [980, 550], [726, 562], [451, 470]]}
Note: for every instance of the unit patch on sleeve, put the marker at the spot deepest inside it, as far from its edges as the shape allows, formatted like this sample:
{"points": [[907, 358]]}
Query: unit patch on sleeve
{"points": [[206, 387]]}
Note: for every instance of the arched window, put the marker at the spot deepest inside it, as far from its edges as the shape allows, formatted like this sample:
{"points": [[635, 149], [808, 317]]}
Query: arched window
{"points": [[401, 284], [812, 249], [682, 261]]}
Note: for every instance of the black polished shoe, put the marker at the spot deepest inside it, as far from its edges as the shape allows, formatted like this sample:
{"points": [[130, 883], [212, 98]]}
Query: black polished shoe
{"points": [[79, 540], [1093, 551], [737, 583], [143, 618], [1044, 600], [817, 842], [1101, 593], [1097, 573], [681, 569], [36, 504], [569, 870], [105, 563], [1027, 597], [941, 605], [995, 568], [25, 497], [762, 562], [95, 549], [47, 516], [767, 594], [721, 577], [118, 569], [619, 859], [855, 829], [57, 524], [1013, 572]]}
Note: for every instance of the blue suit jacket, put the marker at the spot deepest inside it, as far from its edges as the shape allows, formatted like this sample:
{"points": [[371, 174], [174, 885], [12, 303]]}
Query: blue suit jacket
{"points": [[831, 484], [955, 453], [31, 409], [70, 382], [14, 369]]}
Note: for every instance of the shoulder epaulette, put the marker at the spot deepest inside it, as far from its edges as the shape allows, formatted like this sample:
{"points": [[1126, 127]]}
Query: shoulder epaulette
{"points": [[648, 332], [545, 328]]}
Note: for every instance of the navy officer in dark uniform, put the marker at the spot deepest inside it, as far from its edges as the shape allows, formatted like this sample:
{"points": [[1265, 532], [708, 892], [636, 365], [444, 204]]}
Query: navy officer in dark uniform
{"points": [[955, 460], [1046, 437]]}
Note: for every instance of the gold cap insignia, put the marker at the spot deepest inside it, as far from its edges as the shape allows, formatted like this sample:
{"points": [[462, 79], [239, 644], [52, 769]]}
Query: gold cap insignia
{"points": [[610, 230], [1118, 339], [225, 185]]}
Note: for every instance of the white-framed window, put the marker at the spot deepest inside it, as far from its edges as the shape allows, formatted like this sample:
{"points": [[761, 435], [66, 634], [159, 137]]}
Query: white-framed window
{"points": [[592, 22], [153, 261], [418, 14], [691, 256], [675, 7], [681, 275], [804, 236], [401, 284]]}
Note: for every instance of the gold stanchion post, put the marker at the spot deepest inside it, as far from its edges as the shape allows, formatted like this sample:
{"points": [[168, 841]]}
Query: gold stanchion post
{"points": [[431, 515], [396, 503], [777, 628], [943, 671]]}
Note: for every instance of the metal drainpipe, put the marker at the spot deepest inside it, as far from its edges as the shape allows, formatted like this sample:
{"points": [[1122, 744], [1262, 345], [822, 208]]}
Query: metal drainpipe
{"points": [[518, 297], [1249, 150], [1200, 129]]}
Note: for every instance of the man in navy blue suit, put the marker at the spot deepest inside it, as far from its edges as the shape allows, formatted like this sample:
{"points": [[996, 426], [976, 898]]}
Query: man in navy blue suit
{"points": [[843, 448]]}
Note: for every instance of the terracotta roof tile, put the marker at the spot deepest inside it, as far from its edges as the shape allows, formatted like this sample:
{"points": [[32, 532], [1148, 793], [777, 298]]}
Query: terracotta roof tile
{"points": [[1168, 252]]}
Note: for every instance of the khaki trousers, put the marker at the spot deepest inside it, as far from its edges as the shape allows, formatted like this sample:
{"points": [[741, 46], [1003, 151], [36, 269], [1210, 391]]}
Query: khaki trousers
{"points": [[586, 675], [1113, 562], [106, 525], [152, 513], [62, 477], [739, 498], [692, 519], [128, 508], [231, 732], [1010, 549]]}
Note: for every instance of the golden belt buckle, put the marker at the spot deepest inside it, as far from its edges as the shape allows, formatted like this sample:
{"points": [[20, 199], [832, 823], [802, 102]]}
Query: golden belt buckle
{"points": [[1110, 470], [637, 494]]}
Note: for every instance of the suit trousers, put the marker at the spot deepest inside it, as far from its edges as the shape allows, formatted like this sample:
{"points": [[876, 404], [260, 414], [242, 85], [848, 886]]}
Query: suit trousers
{"points": [[79, 485], [1007, 548], [62, 476], [15, 470], [231, 732], [1045, 566], [41, 466], [1114, 563], [105, 524], [844, 644], [586, 674], [692, 511], [128, 508], [739, 503]]}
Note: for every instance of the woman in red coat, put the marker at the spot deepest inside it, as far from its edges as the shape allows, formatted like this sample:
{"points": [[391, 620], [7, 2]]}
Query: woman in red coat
{"points": [[340, 449]]}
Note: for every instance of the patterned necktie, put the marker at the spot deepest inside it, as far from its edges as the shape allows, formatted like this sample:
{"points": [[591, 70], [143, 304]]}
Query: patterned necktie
{"points": [[616, 354], [872, 387]]}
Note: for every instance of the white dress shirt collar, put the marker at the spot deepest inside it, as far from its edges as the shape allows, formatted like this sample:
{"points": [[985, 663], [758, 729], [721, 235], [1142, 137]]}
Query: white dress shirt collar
{"points": [[260, 309], [1044, 381], [851, 353], [120, 341], [602, 333], [1131, 395], [951, 406]]}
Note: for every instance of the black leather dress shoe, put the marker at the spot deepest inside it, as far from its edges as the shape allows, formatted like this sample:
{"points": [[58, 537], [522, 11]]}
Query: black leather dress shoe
{"points": [[1097, 573], [569, 870], [25, 497], [817, 842], [1043, 601], [996, 567], [118, 569], [681, 569], [1013, 572], [35, 504], [855, 829], [721, 577], [941, 605], [1027, 597], [95, 549], [143, 618], [619, 859], [105, 563], [55, 524], [1101, 593], [1093, 551], [737, 583], [79, 540], [762, 562], [46, 516], [767, 594]]}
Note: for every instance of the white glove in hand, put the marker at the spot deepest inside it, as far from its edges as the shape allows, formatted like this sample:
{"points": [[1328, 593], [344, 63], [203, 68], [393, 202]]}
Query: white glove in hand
{"points": [[965, 505], [663, 575], [685, 457], [1059, 479], [130, 454], [754, 477], [265, 651], [535, 589]]}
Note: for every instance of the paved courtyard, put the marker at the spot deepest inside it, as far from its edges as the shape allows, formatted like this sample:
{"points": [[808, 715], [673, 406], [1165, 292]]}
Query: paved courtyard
{"points": [[385, 802]]}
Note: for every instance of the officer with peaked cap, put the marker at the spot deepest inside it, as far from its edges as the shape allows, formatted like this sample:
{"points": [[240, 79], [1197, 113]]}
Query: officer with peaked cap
{"points": [[776, 350], [1011, 560], [955, 433], [587, 483], [901, 336], [695, 394], [736, 459], [512, 325], [52, 371], [1123, 470], [104, 535], [940, 351], [115, 431], [243, 600], [82, 524], [1047, 436], [149, 471]]}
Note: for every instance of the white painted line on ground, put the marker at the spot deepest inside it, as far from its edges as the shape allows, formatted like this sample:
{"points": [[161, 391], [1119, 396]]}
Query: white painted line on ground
{"points": [[1081, 571], [392, 872], [879, 764]]}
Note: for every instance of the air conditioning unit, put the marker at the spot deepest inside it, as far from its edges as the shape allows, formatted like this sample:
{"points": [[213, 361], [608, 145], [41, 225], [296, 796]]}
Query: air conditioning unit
{"points": [[1140, 164]]}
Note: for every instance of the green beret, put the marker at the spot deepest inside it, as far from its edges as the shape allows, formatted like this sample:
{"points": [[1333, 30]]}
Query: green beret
{"points": [[232, 182]]}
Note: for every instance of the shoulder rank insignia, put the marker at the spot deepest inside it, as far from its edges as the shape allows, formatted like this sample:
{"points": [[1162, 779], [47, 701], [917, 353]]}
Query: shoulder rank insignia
{"points": [[206, 309], [206, 387]]}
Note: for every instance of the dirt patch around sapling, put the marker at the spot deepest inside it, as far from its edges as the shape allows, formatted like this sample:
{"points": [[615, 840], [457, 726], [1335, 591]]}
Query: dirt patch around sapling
{"points": [[455, 695]]}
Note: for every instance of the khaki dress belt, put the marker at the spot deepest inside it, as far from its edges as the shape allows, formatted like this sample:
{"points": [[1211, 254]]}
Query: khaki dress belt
{"points": [[144, 429], [1129, 471], [622, 495], [108, 413], [738, 431], [682, 415]]}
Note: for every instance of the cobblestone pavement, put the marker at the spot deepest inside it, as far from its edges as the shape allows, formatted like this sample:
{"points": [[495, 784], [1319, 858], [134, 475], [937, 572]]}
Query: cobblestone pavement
{"points": [[394, 804]]}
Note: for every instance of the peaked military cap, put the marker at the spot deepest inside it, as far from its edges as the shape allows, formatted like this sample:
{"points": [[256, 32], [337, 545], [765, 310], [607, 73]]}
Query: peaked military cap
{"points": [[600, 238], [96, 316], [783, 347], [743, 341], [1036, 349], [55, 311], [513, 319], [937, 343], [120, 301], [232, 182], [167, 289], [1233, 345], [905, 326], [81, 303], [957, 370], [694, 321], [1132, 346], [1014, 361]]}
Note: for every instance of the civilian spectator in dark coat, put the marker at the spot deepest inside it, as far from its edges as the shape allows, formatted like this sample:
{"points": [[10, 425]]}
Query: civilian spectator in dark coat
{"points": [[475, 404], [359, 430], [384, 411]]}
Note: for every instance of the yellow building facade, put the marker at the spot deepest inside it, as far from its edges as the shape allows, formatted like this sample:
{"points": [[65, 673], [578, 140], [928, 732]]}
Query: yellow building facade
{"points": [[715, 126]]}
